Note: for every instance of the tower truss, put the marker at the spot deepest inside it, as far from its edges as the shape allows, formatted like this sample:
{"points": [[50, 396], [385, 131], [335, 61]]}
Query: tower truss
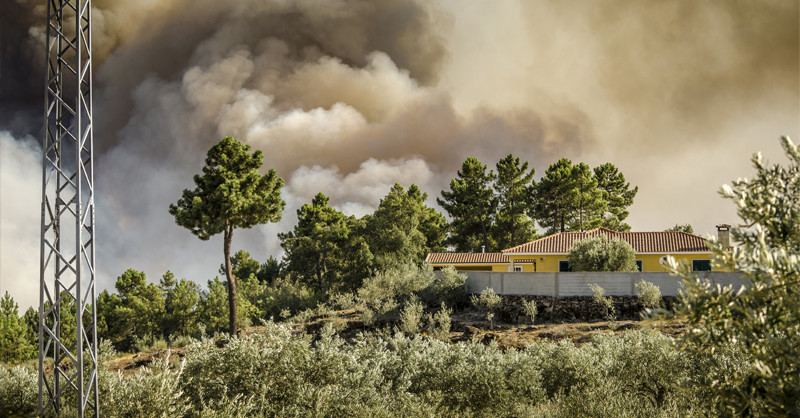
{"points": [[67, 264]]}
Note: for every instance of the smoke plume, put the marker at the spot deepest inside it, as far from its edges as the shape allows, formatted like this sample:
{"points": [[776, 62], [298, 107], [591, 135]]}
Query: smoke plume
{"points": [[348, 97]]}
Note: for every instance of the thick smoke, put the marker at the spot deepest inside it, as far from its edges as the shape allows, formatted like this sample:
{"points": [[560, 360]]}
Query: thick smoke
{"points": [[20, 197], [348, 97]]}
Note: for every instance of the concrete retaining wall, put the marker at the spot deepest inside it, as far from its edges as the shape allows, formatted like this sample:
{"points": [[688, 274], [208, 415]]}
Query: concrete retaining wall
{"points": [[577, 284]]}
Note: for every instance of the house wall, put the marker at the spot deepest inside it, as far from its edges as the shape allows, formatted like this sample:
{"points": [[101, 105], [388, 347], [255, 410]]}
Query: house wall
{"points": [[650, 262]]}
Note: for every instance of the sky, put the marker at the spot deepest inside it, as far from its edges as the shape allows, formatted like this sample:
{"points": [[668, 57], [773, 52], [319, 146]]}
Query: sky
{"points": [[348, 97]]}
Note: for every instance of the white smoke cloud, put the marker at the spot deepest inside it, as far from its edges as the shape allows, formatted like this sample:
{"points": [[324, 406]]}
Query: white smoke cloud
{"points": [[348, 97], [20, 203]]}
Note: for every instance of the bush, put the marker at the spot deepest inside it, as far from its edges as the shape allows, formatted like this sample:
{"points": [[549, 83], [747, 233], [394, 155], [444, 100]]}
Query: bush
{"points": [[439, 323], [19, 391], [275, 373], [648, 294], [529, 306], [411, 317], [605, 301], [600, 254], [489, 302]]}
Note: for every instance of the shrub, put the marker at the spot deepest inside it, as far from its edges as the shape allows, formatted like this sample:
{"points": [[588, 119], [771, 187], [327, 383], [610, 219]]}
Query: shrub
{"points": [[19, 391], [648, 294], [488, 301], [600, 254], [151, 392], [529, 306], [605, 301], [439, 323], [399, 283], [411, 317]]}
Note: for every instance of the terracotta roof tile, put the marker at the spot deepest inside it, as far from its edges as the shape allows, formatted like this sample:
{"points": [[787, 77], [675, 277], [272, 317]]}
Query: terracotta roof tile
{"points": [[466, 258], [642, 242]]}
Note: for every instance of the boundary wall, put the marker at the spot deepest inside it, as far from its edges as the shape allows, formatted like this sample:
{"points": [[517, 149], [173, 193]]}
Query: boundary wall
{"points": [[577, 284]]}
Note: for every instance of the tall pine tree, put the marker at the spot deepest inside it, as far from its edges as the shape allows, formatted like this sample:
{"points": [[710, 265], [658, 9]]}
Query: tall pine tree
{"points": [[471, 204], [553, 197], [587, 200], [403, 229], [618, 195], [513, 226], [324, 248]]}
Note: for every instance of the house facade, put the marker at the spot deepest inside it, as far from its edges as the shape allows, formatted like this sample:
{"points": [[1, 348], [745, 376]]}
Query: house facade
{"points": [[550, 254]]}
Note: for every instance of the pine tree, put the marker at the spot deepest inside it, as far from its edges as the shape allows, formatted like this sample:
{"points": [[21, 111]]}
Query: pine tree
{"points": [[471, 205], [14, 343], [230, 194], [553, 197], [323, 248], [513, 226], [617, 194], [587, 200], [403, 229]]}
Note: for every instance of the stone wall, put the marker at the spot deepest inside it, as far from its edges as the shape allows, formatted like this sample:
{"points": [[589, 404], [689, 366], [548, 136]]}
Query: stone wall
{"points": [[572, 308]]}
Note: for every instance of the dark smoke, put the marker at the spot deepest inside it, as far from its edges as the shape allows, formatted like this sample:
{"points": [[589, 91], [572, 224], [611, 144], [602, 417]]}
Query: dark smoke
{"points": [[348, 97]]}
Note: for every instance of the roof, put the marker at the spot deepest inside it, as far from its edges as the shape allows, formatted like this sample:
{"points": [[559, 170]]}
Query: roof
{"points": [[642, 242], [466, 258]]}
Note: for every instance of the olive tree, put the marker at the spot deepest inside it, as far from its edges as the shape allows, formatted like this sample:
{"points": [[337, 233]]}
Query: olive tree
{"points": [[230, 194], [601, 254], [749, 336]]}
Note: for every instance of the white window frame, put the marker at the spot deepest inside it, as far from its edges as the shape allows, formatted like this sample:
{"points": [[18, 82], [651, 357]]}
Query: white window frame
{"points": [[517, 269]]}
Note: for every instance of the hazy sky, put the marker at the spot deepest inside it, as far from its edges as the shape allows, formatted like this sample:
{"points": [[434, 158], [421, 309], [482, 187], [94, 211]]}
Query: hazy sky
{"points": [[349, 97]]}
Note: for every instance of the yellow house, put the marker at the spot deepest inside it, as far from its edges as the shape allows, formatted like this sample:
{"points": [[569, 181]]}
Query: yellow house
{"points": [[549, 254]]}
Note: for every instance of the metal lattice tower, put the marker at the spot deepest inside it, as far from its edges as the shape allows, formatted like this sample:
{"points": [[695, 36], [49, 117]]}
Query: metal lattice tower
{"points": [[67, 269]]}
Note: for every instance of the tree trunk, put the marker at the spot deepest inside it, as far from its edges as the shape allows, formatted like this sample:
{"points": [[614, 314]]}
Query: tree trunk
{"points": [[232, 312]]}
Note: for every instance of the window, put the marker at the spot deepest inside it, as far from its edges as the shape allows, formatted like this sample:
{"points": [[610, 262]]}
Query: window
{"points": [[701, 265], [517, 268], [564, 266], [639, 265]]}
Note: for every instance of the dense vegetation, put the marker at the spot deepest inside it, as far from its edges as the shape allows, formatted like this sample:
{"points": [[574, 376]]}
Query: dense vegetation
{"points": [[742, 356]]}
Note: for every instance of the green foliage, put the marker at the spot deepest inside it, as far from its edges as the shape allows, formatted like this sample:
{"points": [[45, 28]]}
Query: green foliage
{"points": [[599, 254], [213, 307], [617, 194], [513, 226], [324, 249], [588, 199], [682, 228], [403, 229], [230, 194], [553, 197], [529, 306], [275, 373], [576, 198], [471, 204], [648, 294], [136, 313], [181, 307], [756, 328], [600, 298], [411, 316], [19, 391], [439, 323], [489, 302], [286, 294], [15, 344], [399, 283]]}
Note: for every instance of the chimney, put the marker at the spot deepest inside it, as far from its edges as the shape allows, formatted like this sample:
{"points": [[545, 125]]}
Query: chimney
{"points": [[483, 248], [724, 235]]}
